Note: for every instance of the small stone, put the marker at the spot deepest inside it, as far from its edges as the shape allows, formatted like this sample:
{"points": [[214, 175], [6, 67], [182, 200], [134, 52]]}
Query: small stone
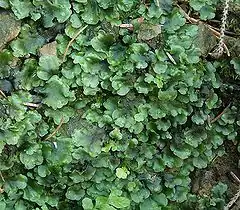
{"points": [[148, 31], [6, 86], [205, 40], [9, 28], [49, 49]]}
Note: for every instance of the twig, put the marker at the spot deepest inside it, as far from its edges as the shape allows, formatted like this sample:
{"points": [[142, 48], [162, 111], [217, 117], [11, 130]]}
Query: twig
{"points": [[236, 196], [2, 177], [126, 25], [220, 115], [216, 156], [226, 49], [190, 19], [216, 33], [55, 131], [235, 177], [72, 40], [129, 25], [233, 200], [171, 58], [3, 94], [214, 21], [209, 121], [31, 105], [157, 3], [226, 32]]}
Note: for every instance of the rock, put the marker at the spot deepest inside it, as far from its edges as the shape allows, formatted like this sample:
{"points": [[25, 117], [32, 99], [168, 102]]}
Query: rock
{"points": [[6, 86], [150, 34], [9, 28], [148, 31], [49, 49], [205, 40]]}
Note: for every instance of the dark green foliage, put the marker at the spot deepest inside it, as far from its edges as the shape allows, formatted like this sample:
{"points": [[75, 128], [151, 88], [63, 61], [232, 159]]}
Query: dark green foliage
{"points": [[135, 115]]}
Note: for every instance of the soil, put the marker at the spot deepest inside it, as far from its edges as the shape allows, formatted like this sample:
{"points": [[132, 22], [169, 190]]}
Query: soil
{"points": [[219, 171]]}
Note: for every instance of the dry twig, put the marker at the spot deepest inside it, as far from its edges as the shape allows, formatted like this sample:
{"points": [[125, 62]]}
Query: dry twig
{"points": [[31, 105], [230, 33], [71, 41], [2, 177], [220, 115], [129, 25], [171, 58], [233, 200], [190, 19], [235, 177], [126, 25], [236, 196], [3, 94], [215, 32], [55, 131]]}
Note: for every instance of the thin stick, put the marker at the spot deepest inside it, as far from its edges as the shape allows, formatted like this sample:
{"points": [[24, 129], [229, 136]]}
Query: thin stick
{"points": [[235, 177], [3, 94], [214, 159], [129, 25], [236, 196], [171, 58], [216, 33], [2, 177], [31, 105], [157, 3], [126, 25], [226, 49], [190, 19], [55, 131], [209, 121], [233, 200], [71, 41], [223, 44], [226, 32], [220, 115]]}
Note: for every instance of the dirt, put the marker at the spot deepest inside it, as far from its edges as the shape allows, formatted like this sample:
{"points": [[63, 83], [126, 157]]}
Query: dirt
{"points": [[219, 171]]}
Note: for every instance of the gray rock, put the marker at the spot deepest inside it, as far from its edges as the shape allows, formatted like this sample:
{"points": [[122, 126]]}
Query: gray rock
{"points": [[9, 28]]}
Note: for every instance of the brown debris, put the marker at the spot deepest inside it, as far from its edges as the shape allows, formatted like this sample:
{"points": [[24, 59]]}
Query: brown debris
{"points": [[3, 94], [220, 115], [33, 105], [55, 131], [71, 41], [214, 31]]}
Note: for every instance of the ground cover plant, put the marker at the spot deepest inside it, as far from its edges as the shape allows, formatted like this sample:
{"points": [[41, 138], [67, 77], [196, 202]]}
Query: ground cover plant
{"points": [[116, 104]]}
